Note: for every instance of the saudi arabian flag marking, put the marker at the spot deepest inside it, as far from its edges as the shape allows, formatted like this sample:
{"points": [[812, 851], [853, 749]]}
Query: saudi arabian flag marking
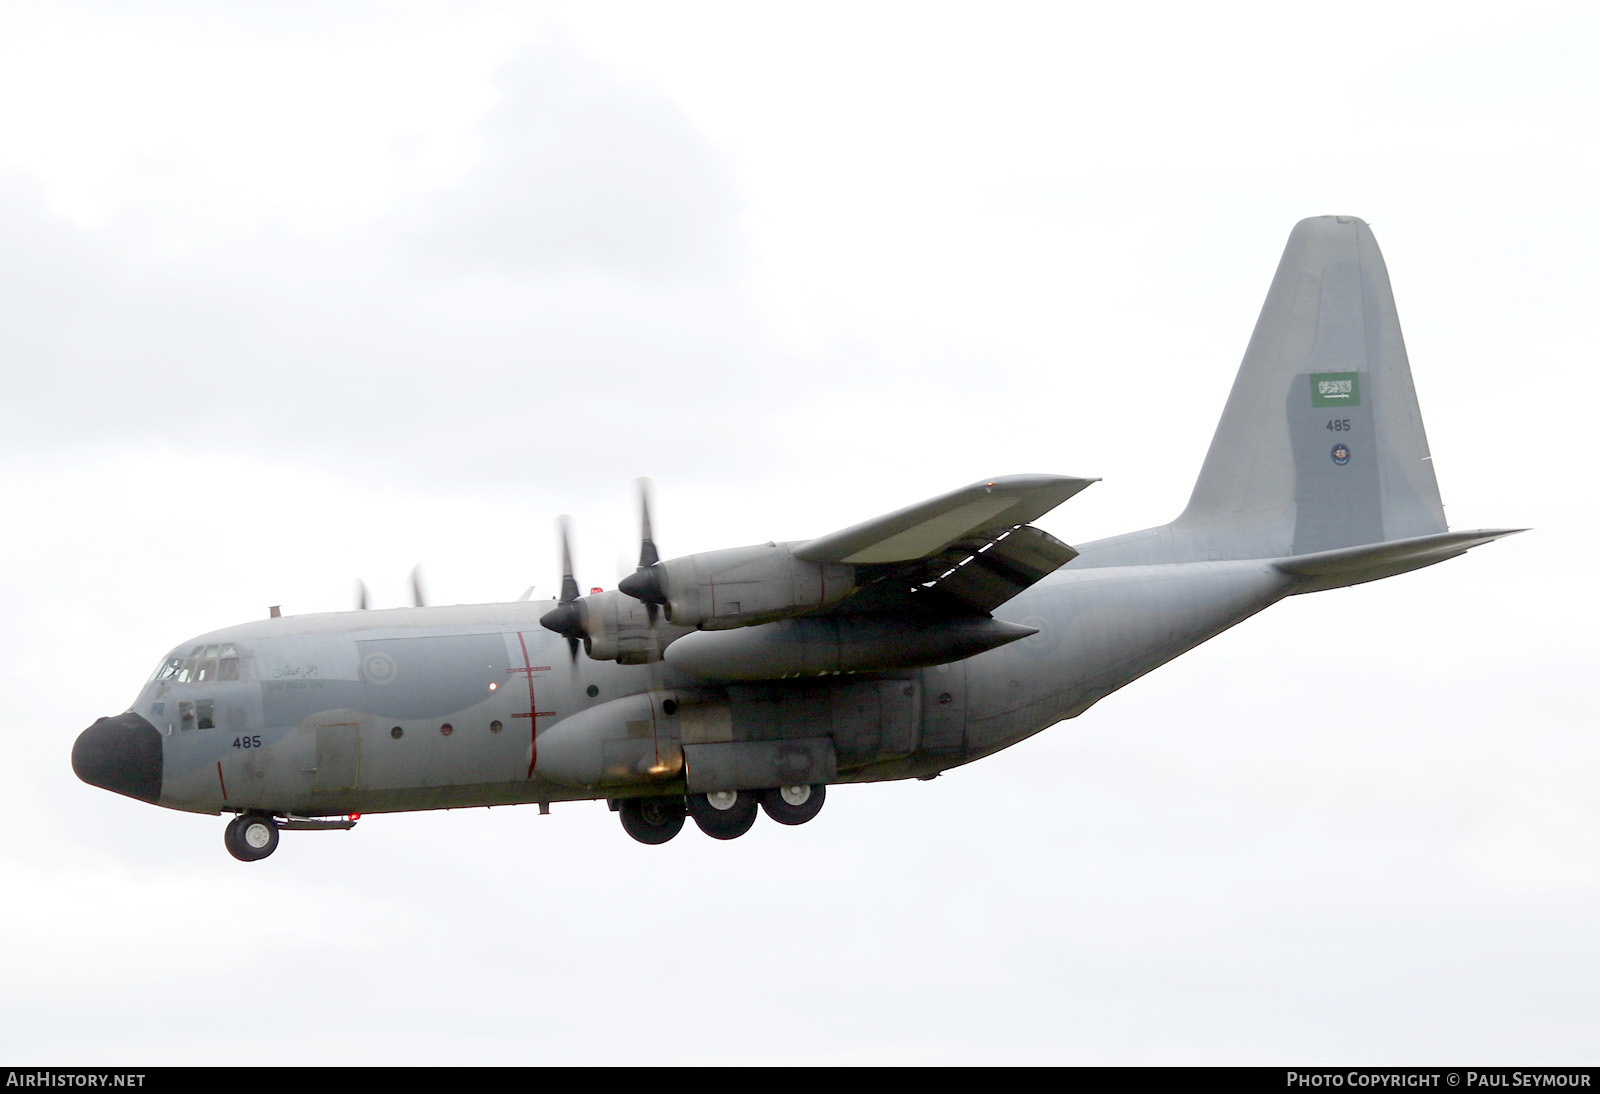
{"points": [[1335, 389]]}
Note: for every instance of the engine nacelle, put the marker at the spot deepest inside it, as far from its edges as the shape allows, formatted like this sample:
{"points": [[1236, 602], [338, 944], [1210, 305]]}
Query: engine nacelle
{"points": [[720, 590], [838, 644], [616, 627]]}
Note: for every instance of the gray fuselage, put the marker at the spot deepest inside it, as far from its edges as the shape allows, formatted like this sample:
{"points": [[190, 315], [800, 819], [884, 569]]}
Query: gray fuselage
{"points": [[425, 708]]}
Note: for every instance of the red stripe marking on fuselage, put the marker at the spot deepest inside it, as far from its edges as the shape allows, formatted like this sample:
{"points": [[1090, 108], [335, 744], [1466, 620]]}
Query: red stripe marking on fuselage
{"points": [[220, 782], [534, 713]]}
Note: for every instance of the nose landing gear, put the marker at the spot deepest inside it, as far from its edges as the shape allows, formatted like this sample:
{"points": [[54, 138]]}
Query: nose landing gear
{"points": [[251, 837]]}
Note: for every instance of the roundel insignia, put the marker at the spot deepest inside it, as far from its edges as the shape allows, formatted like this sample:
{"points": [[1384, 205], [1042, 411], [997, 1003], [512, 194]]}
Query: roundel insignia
{"points": [[1341, 453], [378, 668]]}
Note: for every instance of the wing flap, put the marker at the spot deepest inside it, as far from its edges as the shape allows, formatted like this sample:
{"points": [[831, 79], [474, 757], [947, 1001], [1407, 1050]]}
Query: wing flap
{"points": [[924, 529], [999, 570]]}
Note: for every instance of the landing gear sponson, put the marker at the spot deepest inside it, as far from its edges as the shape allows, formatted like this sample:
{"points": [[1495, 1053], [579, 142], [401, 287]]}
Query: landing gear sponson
{"points": [[722, 814]]}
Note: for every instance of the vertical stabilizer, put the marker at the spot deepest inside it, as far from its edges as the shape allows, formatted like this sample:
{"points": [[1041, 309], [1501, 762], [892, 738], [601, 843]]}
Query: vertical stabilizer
{"points": [[1321, 443]]}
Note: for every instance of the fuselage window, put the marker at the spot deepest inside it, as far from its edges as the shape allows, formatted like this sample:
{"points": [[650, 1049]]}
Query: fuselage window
{"points": [[186, 715], [205, 672], [228, 668]]}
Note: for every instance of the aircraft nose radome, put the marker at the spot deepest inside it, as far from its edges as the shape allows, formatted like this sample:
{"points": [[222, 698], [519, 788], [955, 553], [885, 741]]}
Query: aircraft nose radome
{"points": [[121, 754]]}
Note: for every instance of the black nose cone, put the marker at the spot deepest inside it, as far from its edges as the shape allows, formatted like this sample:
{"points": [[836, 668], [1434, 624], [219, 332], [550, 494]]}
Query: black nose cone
{"points": [[121, 754]]}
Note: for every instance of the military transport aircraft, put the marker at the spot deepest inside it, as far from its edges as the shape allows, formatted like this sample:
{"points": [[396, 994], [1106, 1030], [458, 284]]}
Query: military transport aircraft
{"points": [[719, 684]]}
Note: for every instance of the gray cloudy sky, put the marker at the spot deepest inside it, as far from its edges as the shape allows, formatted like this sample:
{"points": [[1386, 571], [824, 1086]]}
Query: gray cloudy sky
{"points": [[296, 293]]}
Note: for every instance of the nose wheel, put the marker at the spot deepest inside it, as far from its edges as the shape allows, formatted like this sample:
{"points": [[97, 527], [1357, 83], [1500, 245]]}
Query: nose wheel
{"points": [[251, 837]]}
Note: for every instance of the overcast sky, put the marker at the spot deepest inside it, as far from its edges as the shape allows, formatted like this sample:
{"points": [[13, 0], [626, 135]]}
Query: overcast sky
{"points": [[295, 294]]}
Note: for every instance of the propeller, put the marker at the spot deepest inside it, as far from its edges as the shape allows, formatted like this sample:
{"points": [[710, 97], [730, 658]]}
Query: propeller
{"points": [[645, 584], [364, 599], [566, 618]]}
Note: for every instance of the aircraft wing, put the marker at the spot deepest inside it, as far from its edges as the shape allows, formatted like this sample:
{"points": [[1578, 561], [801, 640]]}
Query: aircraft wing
{"points": [[923, 530], [968, 551]]}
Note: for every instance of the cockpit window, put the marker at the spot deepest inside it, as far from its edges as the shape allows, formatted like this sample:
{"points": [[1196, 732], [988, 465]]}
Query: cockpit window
{"points": [[219, 661]]}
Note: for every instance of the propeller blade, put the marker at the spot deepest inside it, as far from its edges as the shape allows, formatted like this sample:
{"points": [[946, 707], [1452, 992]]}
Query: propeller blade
{"points": [[569, 584], [361, 595], [648, 555], [566, 618], [417, 599], [645, 584]]}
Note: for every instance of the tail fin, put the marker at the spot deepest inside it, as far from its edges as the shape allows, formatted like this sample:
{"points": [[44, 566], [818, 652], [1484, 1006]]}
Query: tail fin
{"points": [[1321, 443]]}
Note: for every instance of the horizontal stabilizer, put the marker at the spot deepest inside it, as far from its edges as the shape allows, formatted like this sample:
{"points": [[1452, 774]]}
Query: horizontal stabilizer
{"points": [[1354, 565], [930, 526]]}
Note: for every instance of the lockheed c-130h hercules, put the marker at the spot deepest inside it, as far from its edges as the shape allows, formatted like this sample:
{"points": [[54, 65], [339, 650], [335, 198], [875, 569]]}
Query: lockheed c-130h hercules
{"points": [[721, 684]]}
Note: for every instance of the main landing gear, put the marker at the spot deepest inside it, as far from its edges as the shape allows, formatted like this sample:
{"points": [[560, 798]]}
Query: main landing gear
{"points": [[652, 820], [722, 814]]}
